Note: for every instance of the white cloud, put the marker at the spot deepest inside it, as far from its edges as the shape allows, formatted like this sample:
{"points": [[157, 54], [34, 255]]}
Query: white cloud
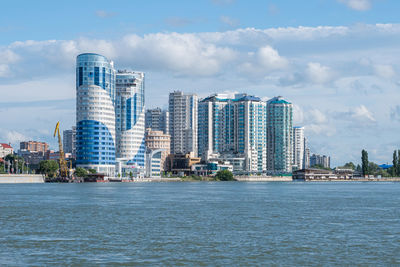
{"points": [[361, 113], [359, 5], [231, 22], [13, 137], [261, 63], [316, 116], [318, 73], [384, 71], [395, 113]]}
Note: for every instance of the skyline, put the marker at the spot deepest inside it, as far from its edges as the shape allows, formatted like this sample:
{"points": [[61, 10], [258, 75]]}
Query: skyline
{"points": [[342, 79]]}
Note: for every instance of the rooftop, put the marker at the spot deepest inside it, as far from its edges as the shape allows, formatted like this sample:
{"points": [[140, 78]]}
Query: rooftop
{"points": [[5, 145], [278, 100]]}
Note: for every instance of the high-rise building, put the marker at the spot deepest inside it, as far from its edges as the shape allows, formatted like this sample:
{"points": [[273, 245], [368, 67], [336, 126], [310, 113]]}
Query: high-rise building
{"points": [[321, 160], [234, 126], [34, 146], [298, 147], [69, 141], [157, 120], [306, 163], [183, 122], [130, 116], [279, 135], [215, 130], [95, 113]]}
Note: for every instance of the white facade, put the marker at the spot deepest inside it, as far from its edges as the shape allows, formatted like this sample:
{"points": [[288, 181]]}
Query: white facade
{"points": [[235, 126], [130, 118], [183, 122], [5, 149], [95, 113], [298, 147]]}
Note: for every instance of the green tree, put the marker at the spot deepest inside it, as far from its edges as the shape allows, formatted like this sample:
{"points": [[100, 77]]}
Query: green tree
{"points": [[350, 165], [358, 168], [319, 166], [398, 163], [224, 175], [81, 172], [373, 168], [364, 162], [48, 167], [395, 162], [92, 171]]}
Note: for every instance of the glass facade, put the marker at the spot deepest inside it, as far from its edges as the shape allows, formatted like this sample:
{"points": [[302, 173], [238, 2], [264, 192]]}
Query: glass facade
{"points": [[279, 135], [95, 113], [130, 117]]}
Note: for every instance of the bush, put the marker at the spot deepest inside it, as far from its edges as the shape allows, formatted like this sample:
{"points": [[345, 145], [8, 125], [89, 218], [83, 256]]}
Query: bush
{"points": [[48, 167], [81, 172], [224, 175]]}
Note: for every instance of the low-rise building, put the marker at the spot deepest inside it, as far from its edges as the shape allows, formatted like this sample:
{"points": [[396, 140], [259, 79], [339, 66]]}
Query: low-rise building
{"points": [[181, 164], [154, 162], [322, 174], [211, 168], [5, 149], [156, 140]]}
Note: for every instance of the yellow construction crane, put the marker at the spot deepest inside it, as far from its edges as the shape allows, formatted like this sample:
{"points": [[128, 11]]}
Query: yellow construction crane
{"points": [[64, 171]]}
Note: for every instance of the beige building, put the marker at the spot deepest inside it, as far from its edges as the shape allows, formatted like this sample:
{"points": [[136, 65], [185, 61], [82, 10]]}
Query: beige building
{"points": [[34, 146], [158, 140]]}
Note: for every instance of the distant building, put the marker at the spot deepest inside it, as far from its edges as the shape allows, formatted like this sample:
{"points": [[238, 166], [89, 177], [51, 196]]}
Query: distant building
{"points": [[322, 160], [32, 158], [321, 174], [183, 122], [157, 120], [5, 149], [235, 126], [279, 135], [130, 116], [306, 155], [157, 140], [69, 141], [34, 146], [298, 147]]}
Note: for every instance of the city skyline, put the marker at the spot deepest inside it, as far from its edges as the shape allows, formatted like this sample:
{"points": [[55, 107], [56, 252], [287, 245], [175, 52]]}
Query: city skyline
{"points": [[345, 95]]}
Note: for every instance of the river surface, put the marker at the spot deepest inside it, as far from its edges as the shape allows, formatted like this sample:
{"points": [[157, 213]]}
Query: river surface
{"points": [[199, 224]]}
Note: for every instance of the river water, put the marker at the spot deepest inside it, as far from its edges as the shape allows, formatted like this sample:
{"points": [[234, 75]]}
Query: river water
{"points": [[198, 224]]}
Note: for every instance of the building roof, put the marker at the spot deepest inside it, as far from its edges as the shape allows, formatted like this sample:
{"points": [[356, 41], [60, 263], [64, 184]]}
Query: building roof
{"points": [[5, 145], [249, 98], [278, 100]]}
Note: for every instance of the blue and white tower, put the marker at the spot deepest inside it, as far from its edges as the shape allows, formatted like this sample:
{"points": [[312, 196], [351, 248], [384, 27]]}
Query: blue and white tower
{"points": [[130, 123], [95, 113]]}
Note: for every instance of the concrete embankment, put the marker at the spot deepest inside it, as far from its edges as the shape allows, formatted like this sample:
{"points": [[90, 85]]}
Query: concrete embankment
{"points": [[264, 178], [20, 178]]}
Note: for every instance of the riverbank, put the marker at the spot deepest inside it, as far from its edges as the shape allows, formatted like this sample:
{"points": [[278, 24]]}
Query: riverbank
{"points": [[21, 178]]}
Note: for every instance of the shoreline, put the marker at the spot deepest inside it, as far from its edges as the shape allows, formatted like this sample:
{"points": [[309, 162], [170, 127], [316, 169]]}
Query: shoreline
{"points": [[30, 179]]}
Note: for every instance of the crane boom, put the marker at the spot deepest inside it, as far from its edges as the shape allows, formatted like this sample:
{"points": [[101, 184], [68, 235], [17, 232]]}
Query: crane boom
{"points": [[64, 171]]}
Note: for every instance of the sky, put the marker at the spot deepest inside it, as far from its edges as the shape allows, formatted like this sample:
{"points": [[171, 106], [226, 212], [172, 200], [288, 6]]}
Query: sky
{"points": [[337, 61]]}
